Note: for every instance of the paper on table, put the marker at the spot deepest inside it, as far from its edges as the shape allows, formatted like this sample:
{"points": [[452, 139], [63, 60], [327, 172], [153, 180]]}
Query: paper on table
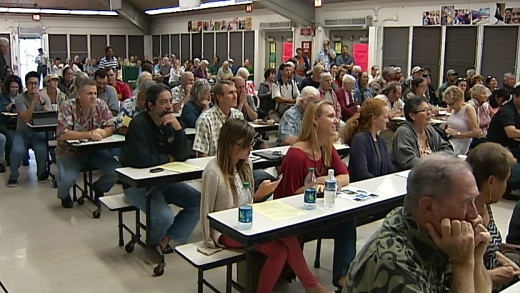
{"points": [[179, 167], [277, 210], [126, 121], [118, 137], [403, 174], [9, 114]]}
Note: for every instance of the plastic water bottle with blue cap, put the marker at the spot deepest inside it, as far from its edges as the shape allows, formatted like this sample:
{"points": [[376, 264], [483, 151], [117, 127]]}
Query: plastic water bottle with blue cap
{"points": [[245, 208]]}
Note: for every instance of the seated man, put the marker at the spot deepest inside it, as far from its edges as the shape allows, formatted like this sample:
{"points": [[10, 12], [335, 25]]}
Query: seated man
{"points": [[153, 138], [106, 92], [434, 243], [246, 103], [85, 117], [314, 79], [132, 107], [122, 89], [181, 93], [291, 122], [504, 129], [210, 122], [392, 95], [26, 104], [284, 92]]}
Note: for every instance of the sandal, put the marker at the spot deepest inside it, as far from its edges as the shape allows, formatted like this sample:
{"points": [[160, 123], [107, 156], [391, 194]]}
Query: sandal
{"points": [[168, 249]]}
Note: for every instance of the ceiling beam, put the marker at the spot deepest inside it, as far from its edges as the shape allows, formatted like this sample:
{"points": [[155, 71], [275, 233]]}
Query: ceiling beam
{"points": [[130, 13], [301, 12]]}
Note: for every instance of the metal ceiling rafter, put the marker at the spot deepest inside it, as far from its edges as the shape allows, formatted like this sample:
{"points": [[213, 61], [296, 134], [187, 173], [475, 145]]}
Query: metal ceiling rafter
{"points": [[301, 12], [129, 12]]}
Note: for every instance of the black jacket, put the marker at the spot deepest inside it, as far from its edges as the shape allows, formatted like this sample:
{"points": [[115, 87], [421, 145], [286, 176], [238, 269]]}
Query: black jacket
{"points": [[149, 145]]}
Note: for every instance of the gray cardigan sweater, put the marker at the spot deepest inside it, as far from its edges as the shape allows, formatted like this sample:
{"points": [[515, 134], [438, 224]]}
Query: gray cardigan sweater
{"points": [[405, 145]]}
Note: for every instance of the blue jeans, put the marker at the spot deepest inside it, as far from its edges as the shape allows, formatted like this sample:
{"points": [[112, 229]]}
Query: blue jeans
{"points": [[514, 179], [3, 141], [21, 142], [162, 220], [344, 235], [69, 167], [513, 236]]}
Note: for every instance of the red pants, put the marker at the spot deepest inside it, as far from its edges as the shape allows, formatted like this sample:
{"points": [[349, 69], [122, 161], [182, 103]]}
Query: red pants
{"points": [[278, 253]]}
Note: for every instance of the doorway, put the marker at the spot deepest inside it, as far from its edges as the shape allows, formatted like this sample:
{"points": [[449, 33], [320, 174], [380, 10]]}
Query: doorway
{"points": [[28, 47]]}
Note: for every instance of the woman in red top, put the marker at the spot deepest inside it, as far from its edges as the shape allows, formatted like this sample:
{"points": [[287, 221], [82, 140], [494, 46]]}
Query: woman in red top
{"points": [[345, 96], [314, 149]]}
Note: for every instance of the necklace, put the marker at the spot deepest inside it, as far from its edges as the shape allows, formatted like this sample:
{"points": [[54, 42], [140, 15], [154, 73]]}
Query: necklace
{"points": [[318, 172]]}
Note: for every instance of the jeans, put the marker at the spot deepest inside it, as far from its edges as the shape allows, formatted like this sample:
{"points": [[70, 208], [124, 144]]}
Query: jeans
{"points": [[21, 142], [162, 220], [9, 135], [344, 235], [513, 236], [3, 141], [514, 179], [69, 167]]}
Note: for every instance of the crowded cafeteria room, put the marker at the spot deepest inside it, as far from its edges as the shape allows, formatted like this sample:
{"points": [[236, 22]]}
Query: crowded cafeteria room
{"points": [[259, 146]]}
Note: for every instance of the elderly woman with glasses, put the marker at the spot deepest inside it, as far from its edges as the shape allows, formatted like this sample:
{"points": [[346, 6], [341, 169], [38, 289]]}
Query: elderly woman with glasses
{"points": [[200, 99], [416, 138], [462, 125]]}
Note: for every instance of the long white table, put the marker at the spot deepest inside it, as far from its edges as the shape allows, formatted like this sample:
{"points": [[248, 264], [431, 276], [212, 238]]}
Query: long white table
{"points": [[390, 190], [515, 288]]}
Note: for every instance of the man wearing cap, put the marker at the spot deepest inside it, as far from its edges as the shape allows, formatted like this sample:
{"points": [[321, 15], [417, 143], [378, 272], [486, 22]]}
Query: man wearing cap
{"points": [[417, 72], [52, 91], [345, 59], [451, 78], [233, 68]]}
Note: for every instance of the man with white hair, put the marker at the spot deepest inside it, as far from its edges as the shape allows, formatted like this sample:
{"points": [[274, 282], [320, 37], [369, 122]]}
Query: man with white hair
{"points": [[356, 71], [387, 75], [4, 49], [164, 70], [291, 121], [509, 82], [181, 93], [327, 93], [434, 243]]}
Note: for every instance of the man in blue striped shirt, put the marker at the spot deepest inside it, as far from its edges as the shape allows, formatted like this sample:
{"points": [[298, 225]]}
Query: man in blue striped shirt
{"points": [[109, 60]]}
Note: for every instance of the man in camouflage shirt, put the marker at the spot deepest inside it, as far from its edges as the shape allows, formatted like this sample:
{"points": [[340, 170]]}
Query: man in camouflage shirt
{"points": [[435, 243]]}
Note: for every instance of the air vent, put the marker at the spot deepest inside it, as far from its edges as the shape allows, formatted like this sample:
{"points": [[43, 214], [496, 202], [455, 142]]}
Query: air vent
{"points": [[276, 25], [30, 31], [347, 22]]}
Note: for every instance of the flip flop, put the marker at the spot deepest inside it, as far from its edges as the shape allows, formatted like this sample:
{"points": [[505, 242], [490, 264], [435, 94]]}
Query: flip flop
{"points": [[168, 249]]}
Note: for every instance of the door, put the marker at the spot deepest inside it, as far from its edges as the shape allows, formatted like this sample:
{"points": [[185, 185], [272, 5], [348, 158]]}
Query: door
{"points": [[274, 47], [28, 47]]}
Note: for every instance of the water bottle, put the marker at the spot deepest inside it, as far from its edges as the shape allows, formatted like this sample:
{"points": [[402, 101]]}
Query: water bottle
{"points": [[330, 176], [309, 199], [310, 179], [330, 191], [245, 208]]}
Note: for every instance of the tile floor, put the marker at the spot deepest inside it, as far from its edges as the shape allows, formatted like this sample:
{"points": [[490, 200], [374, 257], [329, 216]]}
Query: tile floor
{"points": [[45, 248]]}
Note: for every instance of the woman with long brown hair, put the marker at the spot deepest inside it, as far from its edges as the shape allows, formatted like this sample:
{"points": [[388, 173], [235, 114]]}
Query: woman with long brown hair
{"points": [[369, 156], [314, 149], [222, 183]]}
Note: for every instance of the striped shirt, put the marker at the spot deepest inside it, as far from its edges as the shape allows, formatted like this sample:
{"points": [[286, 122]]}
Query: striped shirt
{"points": [[105, 63]]}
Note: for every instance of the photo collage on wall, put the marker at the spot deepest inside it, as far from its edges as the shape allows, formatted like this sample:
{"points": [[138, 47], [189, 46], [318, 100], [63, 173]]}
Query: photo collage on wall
{"points": [[222, 25], [451, 15]]}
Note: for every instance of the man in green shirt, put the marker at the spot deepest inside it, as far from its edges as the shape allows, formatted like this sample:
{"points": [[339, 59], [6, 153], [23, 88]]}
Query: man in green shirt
{"points": [[434, 243], [213, 69]]}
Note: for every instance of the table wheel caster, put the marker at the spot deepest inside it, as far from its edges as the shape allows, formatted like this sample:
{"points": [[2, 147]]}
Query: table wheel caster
{"points": [[81, 201], [129, 247], [96, 214], [159, 270], [54, 183]]}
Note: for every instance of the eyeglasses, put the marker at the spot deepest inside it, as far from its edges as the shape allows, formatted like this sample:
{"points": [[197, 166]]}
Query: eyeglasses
{"points": [[32, 83], [246, 146], [424, 110]]}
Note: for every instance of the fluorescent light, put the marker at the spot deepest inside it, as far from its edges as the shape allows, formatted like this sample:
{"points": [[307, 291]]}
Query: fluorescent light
{"points": [[110, 13], [84, 12], [206, 5], [57, 11], [23, 10]]}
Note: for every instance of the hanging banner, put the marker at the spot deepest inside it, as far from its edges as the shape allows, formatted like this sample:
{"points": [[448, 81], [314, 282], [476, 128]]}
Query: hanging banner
{"points": [[360, 54], [287, 51]]}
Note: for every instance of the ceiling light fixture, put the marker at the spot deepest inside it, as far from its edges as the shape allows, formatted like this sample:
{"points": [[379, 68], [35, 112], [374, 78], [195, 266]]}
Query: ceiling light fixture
{"points": [[317, 3], [249, 8], [39, 11], [36, 17], [213, 4]]}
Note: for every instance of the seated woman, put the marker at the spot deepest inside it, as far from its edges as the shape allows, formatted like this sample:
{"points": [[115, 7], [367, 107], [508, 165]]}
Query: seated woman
{"points": [[363, 91], [416, 138], [462, 83], [314, 149], [492, 165], [338, 79], [462, 125], [492, 82], [369, 156], [200, 98], [221, 186], [346, 98], [418, 87], [496, 100], [225, 72]]}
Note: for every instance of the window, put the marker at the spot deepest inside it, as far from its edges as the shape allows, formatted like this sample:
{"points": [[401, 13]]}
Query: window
{"points": [[499, 50], [426, 50], [395, 47]]}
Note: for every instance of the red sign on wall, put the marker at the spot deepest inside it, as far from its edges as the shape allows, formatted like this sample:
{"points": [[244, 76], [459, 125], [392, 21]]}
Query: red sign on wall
{"points": [[360, 54]]}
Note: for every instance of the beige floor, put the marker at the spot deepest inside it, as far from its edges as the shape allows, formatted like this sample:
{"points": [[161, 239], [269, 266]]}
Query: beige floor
{"points": [[45, 248]]}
